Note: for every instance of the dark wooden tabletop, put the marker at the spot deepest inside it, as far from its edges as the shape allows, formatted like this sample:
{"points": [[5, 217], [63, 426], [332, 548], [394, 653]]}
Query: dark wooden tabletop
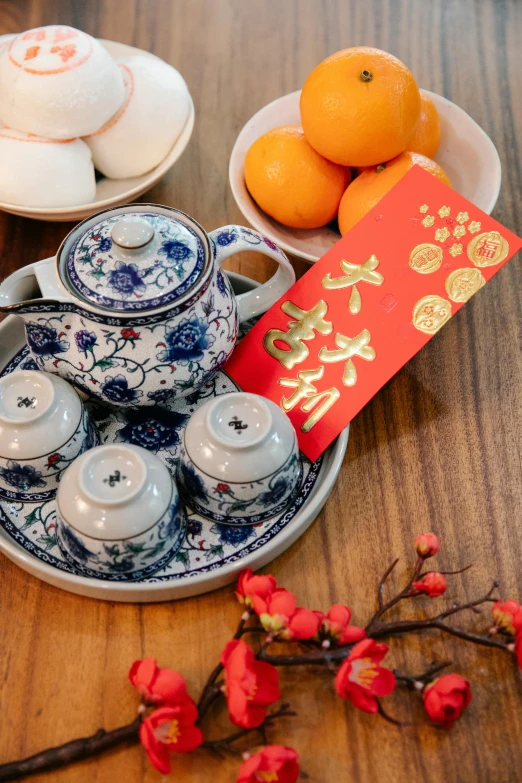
{"points": [[438, 448]]}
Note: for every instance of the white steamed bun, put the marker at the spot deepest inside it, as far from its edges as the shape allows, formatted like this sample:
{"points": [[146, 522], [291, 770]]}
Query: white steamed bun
{"points": [[152, 116], [58, 82], [38, 172]]}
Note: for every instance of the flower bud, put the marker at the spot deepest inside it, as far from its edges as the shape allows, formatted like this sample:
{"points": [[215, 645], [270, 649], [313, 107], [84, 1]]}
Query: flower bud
{"points": [[433, 584], [446, 698], [427, 545]]}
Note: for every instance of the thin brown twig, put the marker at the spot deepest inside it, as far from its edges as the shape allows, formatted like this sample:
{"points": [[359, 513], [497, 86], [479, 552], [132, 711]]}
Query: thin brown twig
{"points": [[70, 752], [425, 677], [404, 593], [226, 744], [383, 582]]}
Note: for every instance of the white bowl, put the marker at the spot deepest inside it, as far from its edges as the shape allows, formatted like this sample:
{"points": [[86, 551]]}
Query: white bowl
{"points": [[44, 427], [466, 154], [112, 192], [118, 511], [240, 461]]}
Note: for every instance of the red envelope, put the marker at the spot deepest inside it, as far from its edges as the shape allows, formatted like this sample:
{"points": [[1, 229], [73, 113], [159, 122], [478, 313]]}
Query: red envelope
{"points": [[362, 311]]}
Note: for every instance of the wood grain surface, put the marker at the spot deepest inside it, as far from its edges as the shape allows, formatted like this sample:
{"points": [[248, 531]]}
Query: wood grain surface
{"points": [[438, 448]]}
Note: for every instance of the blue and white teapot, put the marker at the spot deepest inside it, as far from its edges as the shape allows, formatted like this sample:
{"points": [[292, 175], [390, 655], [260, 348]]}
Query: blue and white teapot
{"points": [[134, 307]]}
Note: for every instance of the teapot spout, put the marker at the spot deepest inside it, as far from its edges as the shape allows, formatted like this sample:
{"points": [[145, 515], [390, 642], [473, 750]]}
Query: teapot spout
{"points": [[29, 284]]}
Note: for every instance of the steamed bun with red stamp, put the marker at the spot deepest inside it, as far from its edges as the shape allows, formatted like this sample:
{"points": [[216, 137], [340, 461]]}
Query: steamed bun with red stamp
{"points": [[58, 82], [38, 172], [151, 118]]}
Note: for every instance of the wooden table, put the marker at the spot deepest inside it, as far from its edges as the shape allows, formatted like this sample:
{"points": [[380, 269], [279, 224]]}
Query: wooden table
{"points": [[438, 448]]}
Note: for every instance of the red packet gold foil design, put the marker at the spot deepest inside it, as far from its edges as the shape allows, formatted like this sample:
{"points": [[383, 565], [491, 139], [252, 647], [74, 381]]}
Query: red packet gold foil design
{"points": [[362, 311]]}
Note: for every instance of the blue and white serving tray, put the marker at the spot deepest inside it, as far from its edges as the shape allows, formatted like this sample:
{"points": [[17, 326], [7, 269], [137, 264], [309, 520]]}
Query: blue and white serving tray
{"points": [[211, 555]]}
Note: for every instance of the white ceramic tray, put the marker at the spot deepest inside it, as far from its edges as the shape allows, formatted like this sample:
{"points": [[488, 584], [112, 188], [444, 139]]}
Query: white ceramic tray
{"points": [[113, 192], [211, 556]]}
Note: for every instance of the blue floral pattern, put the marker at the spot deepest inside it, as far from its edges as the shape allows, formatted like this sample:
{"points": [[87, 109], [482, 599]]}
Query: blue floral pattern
{"points": [[126, 279], [172, 265], [186, 341], [225, 238], [85, 340], [191, 482], [116, 389], [21, 477], [131, 557], [44, 341], [221, 283], [153, 429], [232, 535], [130, 362], [204, 548], [239, 504], [38, 478]]}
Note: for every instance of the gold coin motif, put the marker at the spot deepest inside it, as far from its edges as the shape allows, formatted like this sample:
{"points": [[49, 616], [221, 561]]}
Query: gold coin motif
{"points": [[463, 283], [426, 258], [430, 313], [487, 249]]}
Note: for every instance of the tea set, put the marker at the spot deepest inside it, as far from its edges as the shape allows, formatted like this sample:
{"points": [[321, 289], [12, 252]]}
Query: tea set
{"points": [[134, 311]]}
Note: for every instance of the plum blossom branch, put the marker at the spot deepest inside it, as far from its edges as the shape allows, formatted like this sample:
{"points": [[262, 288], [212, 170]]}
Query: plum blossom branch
{"points": [[169, 721], [226, 745]]}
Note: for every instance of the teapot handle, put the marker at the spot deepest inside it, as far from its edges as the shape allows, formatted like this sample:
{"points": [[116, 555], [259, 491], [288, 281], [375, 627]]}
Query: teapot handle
{"points": [[229, 240], [32, 281]]}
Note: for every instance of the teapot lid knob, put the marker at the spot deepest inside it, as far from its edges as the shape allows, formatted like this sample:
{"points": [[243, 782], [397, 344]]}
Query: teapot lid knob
{"points": [[132, 233]]}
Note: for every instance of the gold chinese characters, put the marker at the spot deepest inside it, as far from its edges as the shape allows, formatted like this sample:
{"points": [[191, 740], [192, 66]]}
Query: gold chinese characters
{"points": [[463, 283], [426, 258], [431, 313], [346, 348], [300, 329], [353, 274], [487, 249], [307, 394]]}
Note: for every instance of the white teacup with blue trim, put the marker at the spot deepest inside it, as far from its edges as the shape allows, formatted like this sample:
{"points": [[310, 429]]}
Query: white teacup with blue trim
{"points": [[44, 426], [119, 513], [240, 461]]}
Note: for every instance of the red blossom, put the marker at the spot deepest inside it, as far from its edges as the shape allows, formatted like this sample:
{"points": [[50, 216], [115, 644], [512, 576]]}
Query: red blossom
{"points": [[130, 334], [249, 585], [222, 488], [251, 685], [507, 615], [433, 584], [335, 626], [280, 615], [170, 730], [427, 545], [446, 698], [361, 678], [156, 685], [273, 763], [52, 459]]}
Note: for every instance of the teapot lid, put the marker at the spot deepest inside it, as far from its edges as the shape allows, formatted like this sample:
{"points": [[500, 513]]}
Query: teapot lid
{"points": [[134, 259]]}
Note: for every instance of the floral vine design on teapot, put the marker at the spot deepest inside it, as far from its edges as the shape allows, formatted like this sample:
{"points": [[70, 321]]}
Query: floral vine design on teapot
{"points": [[135, 308]]}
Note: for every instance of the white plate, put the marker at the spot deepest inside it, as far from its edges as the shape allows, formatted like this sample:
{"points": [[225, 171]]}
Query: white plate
{"points": [[113, 192], [246, 547], [466, 154]]}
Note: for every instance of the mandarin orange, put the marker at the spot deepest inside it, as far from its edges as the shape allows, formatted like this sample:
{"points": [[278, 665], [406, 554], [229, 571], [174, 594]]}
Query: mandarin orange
{"points": [[426, 135], [360, 106], [291, 182], [373, 183]]}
